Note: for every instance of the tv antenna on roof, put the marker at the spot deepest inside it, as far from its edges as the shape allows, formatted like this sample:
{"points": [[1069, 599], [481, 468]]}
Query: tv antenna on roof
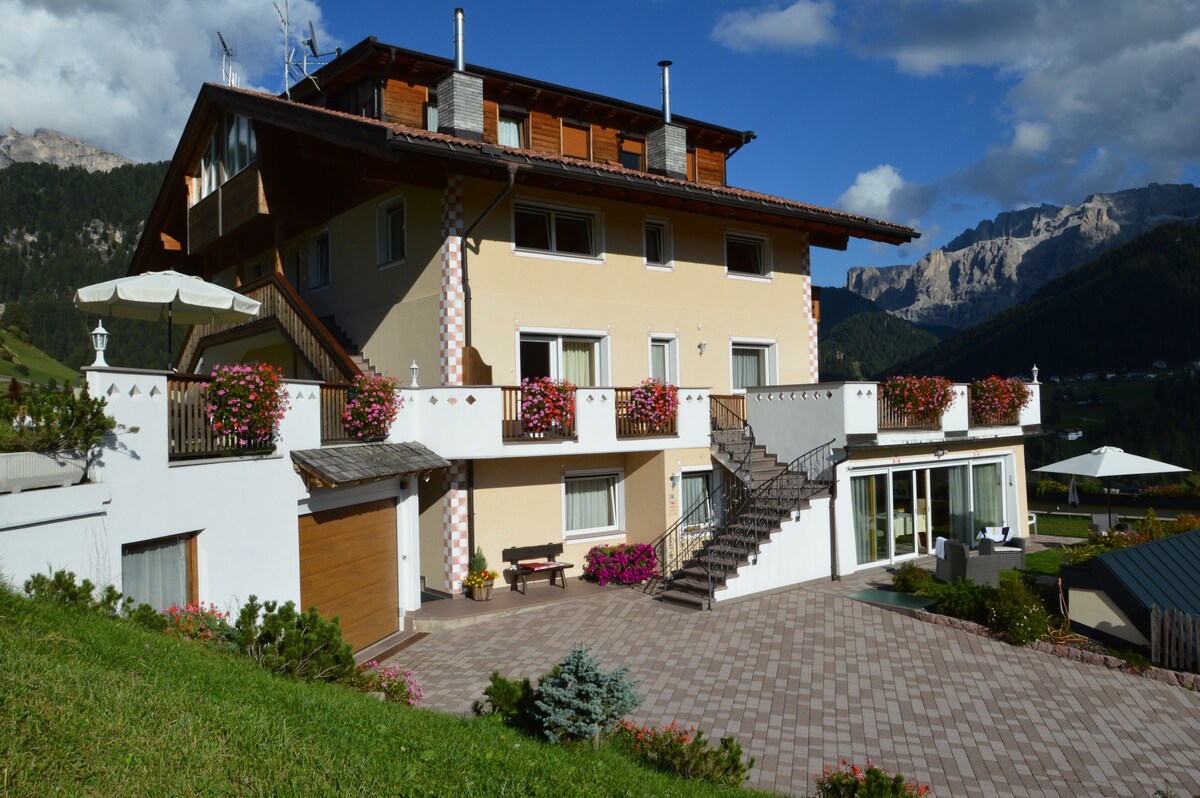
{"points": [[228, 76], [298, 70]]}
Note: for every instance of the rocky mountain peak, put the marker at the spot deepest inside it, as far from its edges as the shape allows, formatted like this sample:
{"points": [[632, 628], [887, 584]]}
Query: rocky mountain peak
{"points": [[1005, 260], [52, 147]]}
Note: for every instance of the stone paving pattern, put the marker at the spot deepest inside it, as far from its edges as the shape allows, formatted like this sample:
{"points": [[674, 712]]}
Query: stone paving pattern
{"points": [[806, 677]]}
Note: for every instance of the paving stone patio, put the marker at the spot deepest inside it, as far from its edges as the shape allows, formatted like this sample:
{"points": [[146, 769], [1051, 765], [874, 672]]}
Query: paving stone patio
{"points": [[808, 676]]}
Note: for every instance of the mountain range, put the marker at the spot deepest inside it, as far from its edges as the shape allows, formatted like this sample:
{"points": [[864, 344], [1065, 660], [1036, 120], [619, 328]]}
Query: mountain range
{"points": [[58, 149], [1004, 261]]}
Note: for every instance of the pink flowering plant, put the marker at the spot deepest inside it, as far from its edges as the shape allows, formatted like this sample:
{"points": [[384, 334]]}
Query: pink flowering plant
{"points": [[196, 621], [654, 403], [996, 400], [919, 398], [547, 406], [623, 563], [851, 781], [246, 402], [395, 683], [371, 411], [684, 752]]}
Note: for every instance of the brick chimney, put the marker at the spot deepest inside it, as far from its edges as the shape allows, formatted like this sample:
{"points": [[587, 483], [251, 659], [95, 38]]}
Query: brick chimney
{"points": [[459, 95], [666, 145]]}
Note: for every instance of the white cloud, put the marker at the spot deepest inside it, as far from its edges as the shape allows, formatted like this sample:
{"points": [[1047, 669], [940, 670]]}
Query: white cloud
{"points": [[123, 74], [802, 24], [882, 193], [1031, 137]]}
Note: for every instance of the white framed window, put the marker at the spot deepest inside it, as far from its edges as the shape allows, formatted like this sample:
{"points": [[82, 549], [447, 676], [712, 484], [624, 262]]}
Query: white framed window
{"points": [[231, 148], [751, 363], [696, 487], [569, 232], [593, 503], [664, 358], [241, 146], [392, 232], [747, 255], [159, 572], [657, 244], [581, 359], [318, 261]]}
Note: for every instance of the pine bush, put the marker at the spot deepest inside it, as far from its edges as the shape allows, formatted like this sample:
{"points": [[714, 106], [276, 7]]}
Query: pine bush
{"points": [[581, 701]]}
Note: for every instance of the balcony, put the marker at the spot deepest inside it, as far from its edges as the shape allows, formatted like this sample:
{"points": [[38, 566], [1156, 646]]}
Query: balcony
{"points": [[803, 416]]}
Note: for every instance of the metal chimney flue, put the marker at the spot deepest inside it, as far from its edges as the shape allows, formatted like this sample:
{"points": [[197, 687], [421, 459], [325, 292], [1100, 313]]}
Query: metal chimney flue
{"points": [[665, 67], [459, 59]]}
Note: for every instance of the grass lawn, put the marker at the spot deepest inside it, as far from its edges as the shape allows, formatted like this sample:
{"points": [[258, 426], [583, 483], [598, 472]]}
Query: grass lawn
{"points": [[95, 707], [1045, 562], [42, 367], [1073, 526]]}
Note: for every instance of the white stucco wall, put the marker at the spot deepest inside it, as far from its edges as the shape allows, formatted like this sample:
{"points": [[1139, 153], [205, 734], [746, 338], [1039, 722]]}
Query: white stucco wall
{"points": [[798, 552]]}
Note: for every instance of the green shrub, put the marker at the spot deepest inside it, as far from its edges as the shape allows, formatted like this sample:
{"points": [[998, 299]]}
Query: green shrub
{"points": [[51, 420], [851, 781], [1017, 612], [286, 641], [509, 699], [146, 616], [911, 578], [685, 752], [963, 599], [1045, 486], [581, 701], [61, 588]]}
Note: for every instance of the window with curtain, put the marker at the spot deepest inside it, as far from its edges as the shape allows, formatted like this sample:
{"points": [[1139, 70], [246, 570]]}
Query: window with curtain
{"points": [[868, 499], [749, 366], [575, 359], [662, 360], [509, 132], [987, 495], [579, 362], [431, 113], [695, 489], [156, 572], [592, 503]]}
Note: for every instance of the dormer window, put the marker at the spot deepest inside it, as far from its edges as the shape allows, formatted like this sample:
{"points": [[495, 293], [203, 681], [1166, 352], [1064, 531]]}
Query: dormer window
{"points": [[575, 141], [511, 131], [231, 149], [632, 154]]}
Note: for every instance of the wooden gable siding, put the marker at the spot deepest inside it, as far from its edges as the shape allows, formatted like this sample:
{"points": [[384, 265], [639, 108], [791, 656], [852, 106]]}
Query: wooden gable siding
{"points": [[491, 122], [710, 167], [545, 132], [404, 103], [604, 144]]}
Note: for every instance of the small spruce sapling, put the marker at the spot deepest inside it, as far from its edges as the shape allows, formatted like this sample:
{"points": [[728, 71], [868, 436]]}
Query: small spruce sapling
{"points": [[581, 701]]}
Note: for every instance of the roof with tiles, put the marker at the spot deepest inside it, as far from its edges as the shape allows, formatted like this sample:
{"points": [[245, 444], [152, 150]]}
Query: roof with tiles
{"points": [[331, 466]]}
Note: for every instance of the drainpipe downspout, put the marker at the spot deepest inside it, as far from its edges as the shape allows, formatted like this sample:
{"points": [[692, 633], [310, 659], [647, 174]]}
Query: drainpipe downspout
{"points": [[504, 192], [835, 574]]}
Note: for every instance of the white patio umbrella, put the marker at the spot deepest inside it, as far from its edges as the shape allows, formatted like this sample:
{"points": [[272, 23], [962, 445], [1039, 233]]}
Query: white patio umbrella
{"points": [[166, 296], [1109, 461]]}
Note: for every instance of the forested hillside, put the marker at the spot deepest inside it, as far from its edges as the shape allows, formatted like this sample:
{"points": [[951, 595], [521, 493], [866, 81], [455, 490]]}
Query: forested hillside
{"points": [[1127, 308], [64, 228], [858, 339]]}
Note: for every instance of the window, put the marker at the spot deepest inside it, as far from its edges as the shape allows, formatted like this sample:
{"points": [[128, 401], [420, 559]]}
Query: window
{"points": [[575, 141], [231, 149], [575, 359], [431, 113], [695, 500], [663, 360], [746, 254], [657, 243], [391, 230], [511, 132], [592, 503], [318, 261], [159, 572], [553, 230], [632, 154], [750, 366]]}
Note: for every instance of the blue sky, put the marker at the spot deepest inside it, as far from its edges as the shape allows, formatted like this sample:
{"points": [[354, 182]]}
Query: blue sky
{"points": [[933, 113]]}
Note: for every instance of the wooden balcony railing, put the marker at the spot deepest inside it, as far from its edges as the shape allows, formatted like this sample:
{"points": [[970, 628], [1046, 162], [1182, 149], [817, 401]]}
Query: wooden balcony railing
{"points": [[1013, 419], [628, 427], [333, 404], [514, 430], [893, 419], [188, 429], [728, 411]]}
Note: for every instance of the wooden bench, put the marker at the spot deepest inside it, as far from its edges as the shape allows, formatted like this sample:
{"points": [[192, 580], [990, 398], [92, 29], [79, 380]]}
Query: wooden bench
{"points": [[545, 555]]}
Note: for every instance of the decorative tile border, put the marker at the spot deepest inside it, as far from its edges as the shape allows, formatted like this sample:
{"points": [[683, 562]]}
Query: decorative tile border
{"points": [[452, 301], [455, 553]]}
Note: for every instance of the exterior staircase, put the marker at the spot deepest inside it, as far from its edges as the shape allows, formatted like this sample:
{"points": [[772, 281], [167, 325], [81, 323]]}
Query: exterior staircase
{"points": [[352, 350], [725, 531]]}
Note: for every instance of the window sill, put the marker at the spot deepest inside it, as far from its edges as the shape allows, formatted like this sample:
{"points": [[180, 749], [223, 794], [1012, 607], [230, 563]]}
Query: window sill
{"points": [[391, 264], [544, 255], [598, 536], [754, 278], [659, 267]]}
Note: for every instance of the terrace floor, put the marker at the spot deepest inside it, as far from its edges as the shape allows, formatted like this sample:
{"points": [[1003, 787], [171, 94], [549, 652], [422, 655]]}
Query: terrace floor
{"points": [[808, 676]]}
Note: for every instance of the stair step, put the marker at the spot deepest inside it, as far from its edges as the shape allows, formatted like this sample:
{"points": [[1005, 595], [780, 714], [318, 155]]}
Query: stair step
{"points": [[686, 599]]}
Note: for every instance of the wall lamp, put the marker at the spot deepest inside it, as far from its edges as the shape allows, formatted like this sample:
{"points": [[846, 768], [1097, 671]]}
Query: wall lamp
{"points": [[702, 347], [940, 453]]}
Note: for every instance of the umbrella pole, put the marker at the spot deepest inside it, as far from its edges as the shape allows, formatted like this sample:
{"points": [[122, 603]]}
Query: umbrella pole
{"points": [[1108, 494]]}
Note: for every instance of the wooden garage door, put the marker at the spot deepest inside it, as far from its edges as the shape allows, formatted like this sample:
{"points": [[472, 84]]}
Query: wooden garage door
{"points": [[348, 569]]}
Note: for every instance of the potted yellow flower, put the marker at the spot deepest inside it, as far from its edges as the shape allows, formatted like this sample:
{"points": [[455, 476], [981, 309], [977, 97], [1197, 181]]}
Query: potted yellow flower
{"points": [[479, 578]]}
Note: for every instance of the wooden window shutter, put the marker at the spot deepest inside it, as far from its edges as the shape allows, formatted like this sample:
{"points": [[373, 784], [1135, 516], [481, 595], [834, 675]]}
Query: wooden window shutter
{"points": [[575, 141]]}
